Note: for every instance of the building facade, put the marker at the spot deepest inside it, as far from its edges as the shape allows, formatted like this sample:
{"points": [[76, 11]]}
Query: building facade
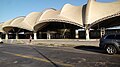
{"points": [[71, 22]]}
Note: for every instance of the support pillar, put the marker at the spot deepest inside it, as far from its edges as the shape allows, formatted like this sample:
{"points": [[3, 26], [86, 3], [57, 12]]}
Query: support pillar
{"points": [[76, 34], [48, 35], [40, 35], [16, 35], [6, 36], [87, 34], [35, 36]]}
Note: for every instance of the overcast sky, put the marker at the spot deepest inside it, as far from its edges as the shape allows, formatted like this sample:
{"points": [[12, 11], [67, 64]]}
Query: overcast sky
{"points": [[10, 9]]}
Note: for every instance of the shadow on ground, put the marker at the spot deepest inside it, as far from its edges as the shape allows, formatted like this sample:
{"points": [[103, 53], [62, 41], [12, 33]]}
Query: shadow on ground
{"points": [[90, 48]]}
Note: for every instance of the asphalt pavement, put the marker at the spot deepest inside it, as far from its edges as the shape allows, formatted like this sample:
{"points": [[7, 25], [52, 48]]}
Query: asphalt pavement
{"points": [[48, 56]]}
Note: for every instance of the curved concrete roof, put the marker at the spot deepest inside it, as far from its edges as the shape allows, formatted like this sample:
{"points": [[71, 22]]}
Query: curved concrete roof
{"points": [[46, 16], [16, 22], [91, 14], [1, 30], [98, 11], [73, 13], [66, 15], [5, 24], [49, 14], [30, 20], [27, 22]]}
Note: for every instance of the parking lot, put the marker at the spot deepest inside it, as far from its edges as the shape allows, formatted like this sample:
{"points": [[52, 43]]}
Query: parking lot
{"points": [[48, 56]]}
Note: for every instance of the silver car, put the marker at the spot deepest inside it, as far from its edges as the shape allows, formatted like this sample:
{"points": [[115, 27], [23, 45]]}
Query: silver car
{"points": [[110, 43]]}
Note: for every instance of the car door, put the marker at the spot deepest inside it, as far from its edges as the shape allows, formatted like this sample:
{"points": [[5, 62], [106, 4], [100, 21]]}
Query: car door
{"points": [[117, 37]]}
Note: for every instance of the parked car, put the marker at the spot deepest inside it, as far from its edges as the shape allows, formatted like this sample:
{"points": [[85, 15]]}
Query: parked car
{"points": [[110, 43]]}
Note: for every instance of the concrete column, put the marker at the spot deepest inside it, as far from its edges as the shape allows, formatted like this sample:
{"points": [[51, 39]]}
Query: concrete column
{"points": [[6, 36], [87, 34], [40, 35], [35, 36], [48, 35], [16, 35], [76, 34]]}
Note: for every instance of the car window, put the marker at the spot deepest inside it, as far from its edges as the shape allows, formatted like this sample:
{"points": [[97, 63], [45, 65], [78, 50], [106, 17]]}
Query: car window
{"points": [[110, 37], [117, 37]]}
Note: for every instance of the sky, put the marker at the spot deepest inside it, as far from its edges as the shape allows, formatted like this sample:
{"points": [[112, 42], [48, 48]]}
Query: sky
{"points": [[10, 9]]}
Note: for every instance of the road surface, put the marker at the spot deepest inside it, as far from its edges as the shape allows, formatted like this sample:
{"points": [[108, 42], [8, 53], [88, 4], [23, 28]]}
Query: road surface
{"points": [[44, 56]]}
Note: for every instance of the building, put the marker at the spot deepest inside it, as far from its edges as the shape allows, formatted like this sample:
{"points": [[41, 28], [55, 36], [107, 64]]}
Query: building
{"points": [[67, 23]]}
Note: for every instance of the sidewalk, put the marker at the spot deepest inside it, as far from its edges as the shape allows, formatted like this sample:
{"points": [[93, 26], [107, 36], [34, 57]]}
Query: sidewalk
{"points": [[56, 42]]}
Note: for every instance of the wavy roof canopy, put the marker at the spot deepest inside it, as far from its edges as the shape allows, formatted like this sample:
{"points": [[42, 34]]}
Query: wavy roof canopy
{"points": [[73, 13], [97, 10], [30, 20], [66, 15], [5, 24], [49, 14], [46, 16], [1, 30], [91, 14], [16, 22], [26, 23]]}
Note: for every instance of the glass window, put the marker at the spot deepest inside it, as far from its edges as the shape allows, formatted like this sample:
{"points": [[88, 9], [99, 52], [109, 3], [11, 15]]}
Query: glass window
{"points": [[117, 37], [110, 37]]}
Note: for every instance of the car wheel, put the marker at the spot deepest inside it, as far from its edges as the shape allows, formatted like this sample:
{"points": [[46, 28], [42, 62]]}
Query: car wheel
{"points": [[111, 49]]}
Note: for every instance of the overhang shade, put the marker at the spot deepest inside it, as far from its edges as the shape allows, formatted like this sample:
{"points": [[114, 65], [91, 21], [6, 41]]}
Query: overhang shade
{"points": [[5, 24], [66, 15], [73, 13], [86, 16], [1, 30], [30, 20], [98, 11], [16, 22]]}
